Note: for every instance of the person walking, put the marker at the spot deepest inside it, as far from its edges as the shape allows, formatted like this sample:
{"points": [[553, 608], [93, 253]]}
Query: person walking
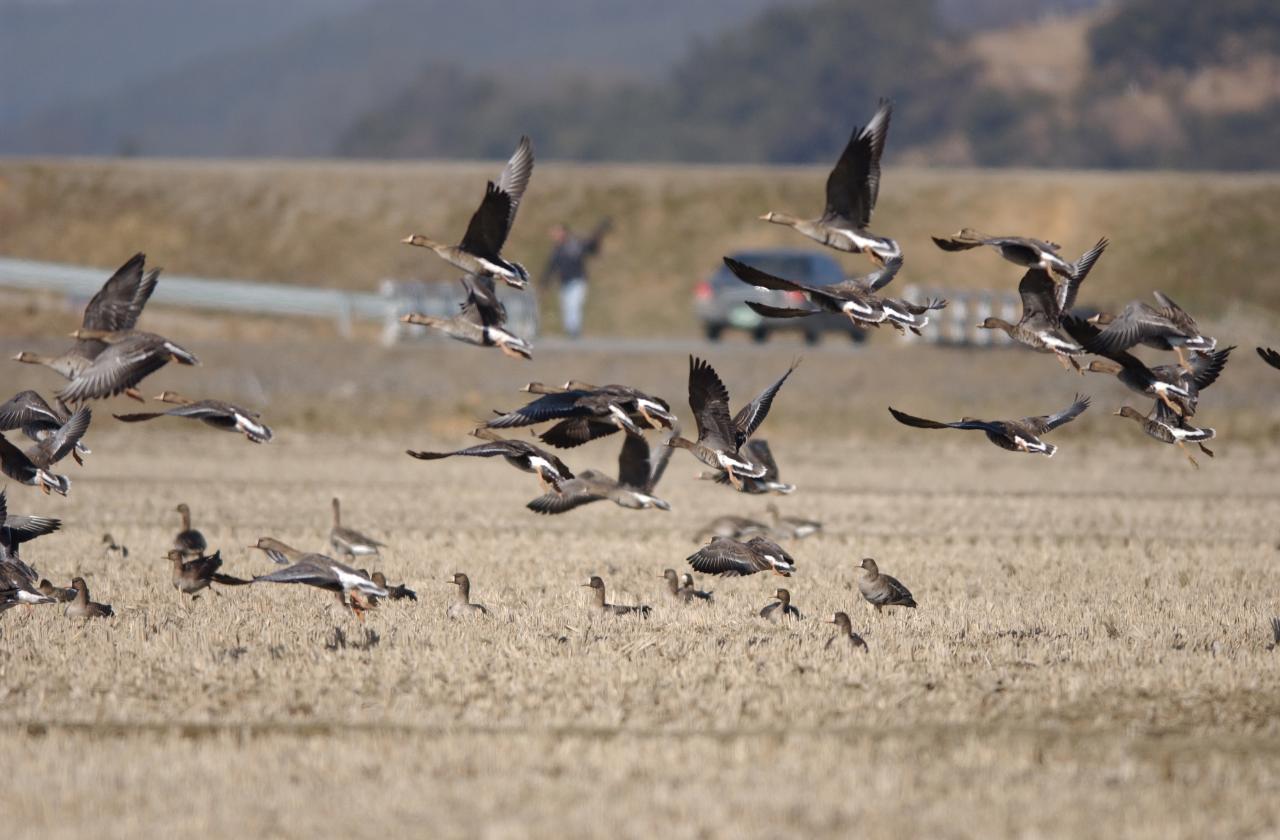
{"points": [[568, 263]]}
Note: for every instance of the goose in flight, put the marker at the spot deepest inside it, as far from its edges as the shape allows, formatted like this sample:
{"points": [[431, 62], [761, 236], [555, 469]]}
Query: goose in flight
{"points": [[852, 189], [1014, 435], [480, 251], [721, 437]]}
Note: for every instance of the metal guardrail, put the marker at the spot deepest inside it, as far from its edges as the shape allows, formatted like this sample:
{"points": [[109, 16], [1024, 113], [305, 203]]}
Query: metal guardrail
{"points": [[394, 299]]}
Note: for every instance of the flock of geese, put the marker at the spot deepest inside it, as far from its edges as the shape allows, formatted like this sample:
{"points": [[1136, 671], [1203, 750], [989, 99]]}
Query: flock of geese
{"points": [[111, 357]]}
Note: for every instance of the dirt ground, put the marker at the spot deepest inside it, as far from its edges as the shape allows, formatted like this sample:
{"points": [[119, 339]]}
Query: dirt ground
{"points": [[1091, 649]]}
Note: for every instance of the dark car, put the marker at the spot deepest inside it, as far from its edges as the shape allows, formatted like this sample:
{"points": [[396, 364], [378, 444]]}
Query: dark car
{"points": [[720, 300]]}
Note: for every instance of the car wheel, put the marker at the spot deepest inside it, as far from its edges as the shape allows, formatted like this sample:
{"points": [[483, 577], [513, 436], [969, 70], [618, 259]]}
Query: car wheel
{"points": [[713, 331], [760, 335], [812, 337]]}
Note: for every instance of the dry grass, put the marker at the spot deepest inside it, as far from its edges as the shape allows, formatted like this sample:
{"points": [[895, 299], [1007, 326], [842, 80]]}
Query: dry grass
{"points": [[1091, 640], [1092, 632], [1204, 238]]}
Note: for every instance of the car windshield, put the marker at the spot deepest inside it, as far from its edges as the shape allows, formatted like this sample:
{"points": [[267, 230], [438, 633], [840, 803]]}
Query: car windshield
{"points": [[817, 269]]}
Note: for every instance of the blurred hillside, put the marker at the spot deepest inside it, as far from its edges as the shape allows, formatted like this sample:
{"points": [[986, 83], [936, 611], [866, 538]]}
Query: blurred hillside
{"points": [[1208, 240], [1046, 83]]}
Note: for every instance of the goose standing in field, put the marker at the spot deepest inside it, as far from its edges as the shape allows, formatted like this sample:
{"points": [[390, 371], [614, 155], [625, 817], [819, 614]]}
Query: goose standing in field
{"points": [[480, 251], [216, 413], [462, 607], [757, 452], [720, 438], [1044, 304], [33, 466], [116, 306], [687, 586], [191, 576], [855, 299], [1164, 327], [82, 607], [1014, 435], [1177, 387], [781, 609], [793, 527], [189, 541], [731, 558], [129, 357], [526, 457], [112, 549], [1019, 250], [682, 588], [481, 320], [38, 420], [735, 527], [638, 474], [852, 189], [321, 572], [844, 633], [882, 590], [397, 591], [1165, 425], [598, 603], [587, 412], [347, 541]]}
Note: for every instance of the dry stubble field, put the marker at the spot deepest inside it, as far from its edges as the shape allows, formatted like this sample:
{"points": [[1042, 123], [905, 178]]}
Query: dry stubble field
{"points": [[1090, 653]]}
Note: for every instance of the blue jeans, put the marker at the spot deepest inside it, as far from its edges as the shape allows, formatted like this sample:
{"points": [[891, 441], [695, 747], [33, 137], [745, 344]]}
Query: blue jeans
{"points": [[573, 296]]}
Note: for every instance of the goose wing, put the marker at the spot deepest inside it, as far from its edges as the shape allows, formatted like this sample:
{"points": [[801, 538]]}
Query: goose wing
{"points": [[546, 407], [709, 401], [753, 276], [1049, 422], [490, 449], [1068, 290], [1136, 324], [1206, 367], [753, 413], [309, 571], [779, 312], [515, 176], [119, 302], [660, 465], [28, 408], [854, 183], [53, 449], [757, 449], [573, 494], [921, 423], [487, 231], [726, 556], [482, 300], [576, 431], [1039, 295], [1269, 356], [15, 463], [121, 366], [876, 280], [15, 529], [634, 467]]}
